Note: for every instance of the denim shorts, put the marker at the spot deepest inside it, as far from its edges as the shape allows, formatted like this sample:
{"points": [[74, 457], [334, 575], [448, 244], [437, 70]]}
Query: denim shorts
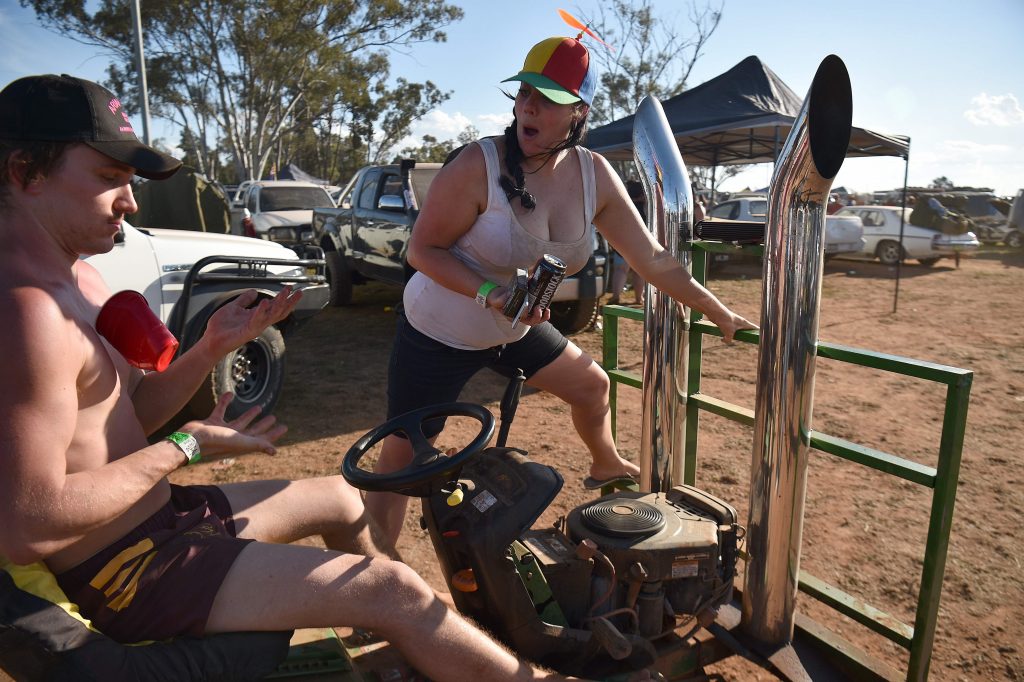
{"points": [[424, 372]]}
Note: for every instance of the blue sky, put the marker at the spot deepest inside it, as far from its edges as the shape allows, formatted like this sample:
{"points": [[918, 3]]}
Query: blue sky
{"points": [[948, 74]]}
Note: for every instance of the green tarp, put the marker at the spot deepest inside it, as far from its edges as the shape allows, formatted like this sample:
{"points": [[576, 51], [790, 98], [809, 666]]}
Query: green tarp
{"points": [[185, 201]]}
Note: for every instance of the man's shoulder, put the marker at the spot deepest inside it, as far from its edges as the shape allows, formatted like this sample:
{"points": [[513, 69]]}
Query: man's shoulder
{"points": [[35, 306]]}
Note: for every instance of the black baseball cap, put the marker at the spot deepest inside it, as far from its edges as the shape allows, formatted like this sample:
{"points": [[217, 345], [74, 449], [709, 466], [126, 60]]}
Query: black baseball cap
{"points": [[68, 109]]}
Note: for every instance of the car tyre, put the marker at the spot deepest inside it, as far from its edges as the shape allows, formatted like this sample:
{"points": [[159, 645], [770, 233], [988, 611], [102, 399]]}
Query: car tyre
{"points": [[254, 373], [927, 262], [1014, 239], [570, 317], [889, 252], [339, 277]]}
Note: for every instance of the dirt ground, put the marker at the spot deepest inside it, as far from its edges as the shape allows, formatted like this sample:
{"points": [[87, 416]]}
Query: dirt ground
{"points": [[864, 532]]}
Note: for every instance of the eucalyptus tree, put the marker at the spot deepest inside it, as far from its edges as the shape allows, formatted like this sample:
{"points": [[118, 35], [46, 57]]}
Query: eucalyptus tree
{"points": [[651, 53], [249, 74]]}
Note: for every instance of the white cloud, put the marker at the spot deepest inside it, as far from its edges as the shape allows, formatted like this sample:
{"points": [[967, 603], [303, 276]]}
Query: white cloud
{"points": [[997, 110], [493, 124], [961, 151], [440, 124], [447, 126], [966, 162]]}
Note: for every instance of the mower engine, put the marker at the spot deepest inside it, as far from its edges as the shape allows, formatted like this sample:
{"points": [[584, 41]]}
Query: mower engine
{"points": [[601, 587], [664, 555], [651, 558]]}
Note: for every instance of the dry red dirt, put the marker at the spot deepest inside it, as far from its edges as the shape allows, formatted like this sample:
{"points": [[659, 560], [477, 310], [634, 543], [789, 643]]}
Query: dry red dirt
{"points": [[864, 532]]}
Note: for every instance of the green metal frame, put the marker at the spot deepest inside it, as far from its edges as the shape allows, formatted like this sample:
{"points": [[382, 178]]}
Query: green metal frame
{"points": [[942, 479]]}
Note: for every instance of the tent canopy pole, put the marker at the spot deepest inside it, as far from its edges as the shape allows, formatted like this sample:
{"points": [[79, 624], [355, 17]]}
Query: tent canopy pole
{"points": [[903, 212]]}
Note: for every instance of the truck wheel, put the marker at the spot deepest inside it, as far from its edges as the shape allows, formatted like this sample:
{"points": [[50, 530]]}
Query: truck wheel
{"points": [[254, 373], [1014, 239], [570, 317], [339, 277], [888, 252]]}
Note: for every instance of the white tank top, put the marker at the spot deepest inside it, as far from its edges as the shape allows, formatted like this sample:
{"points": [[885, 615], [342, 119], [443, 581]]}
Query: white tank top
{"points": [[494, 247]]}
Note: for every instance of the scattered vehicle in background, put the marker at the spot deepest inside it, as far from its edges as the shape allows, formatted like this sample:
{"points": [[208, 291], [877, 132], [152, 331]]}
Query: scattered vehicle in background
{"points": [[881, 225], [843, 233], [978, 209], [186, 276], [367, 237], [281, 210]]}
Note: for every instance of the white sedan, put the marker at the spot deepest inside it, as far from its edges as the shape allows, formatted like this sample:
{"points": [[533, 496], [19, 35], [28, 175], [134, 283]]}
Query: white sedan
{"points": [[927, 246]]}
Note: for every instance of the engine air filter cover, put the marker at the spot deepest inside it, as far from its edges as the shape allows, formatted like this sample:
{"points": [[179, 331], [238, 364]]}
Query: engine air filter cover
{"points": [[623, 518]]}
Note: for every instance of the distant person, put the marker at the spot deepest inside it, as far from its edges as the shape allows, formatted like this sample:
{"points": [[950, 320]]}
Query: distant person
{"points": [[620, 268], [83, 489], [500, 205]]}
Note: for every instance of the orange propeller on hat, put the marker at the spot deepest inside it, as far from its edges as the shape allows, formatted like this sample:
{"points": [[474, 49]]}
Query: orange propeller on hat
{"points": [[576, 23]]}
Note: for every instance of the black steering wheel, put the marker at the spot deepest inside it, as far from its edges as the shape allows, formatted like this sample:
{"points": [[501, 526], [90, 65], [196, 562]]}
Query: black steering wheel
{"points": [[428, 463]]}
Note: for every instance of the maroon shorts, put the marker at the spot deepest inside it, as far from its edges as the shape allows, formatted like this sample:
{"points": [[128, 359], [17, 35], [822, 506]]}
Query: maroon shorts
{"points": [[160, 580]]}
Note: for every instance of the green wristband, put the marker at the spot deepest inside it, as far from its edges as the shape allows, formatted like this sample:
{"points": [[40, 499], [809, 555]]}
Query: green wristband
{"points": [[481, 293], [188, 445]]}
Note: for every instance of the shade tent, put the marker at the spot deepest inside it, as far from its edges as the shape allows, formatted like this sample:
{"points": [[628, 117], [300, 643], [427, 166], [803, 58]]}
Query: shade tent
{"points": [[292, 172], [740, 116]]}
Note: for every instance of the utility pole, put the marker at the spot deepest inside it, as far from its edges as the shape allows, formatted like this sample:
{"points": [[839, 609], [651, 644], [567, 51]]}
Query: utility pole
{"points": [[140, 69]]}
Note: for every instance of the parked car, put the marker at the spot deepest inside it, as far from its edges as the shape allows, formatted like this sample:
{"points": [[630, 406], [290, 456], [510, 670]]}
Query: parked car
{"points": [[281, 210], [237, 198], [926, 245], [186, 276], [843, 235], [367, 237]]}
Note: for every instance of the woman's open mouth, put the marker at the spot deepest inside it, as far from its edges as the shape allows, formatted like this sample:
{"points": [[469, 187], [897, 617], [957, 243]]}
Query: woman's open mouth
{"points": [[529, 132]]}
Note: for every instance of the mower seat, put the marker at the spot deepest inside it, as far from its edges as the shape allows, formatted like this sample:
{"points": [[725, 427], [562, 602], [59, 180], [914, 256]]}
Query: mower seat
{"points": [[42, 637]]}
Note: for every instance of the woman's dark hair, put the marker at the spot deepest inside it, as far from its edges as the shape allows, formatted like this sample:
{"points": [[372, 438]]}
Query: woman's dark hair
{"points": [[39, 159], [515, 186]]}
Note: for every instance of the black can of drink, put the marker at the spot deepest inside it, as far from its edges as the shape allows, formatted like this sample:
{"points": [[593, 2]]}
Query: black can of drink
{"points": [[547, 275]]}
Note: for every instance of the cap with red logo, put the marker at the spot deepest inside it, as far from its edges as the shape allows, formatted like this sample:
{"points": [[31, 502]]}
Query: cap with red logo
{"points": [[64, 108], [560, 69]]}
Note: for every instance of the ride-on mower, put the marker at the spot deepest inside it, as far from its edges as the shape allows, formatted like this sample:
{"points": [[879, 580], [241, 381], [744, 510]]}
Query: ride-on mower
{"points": [[597, 594]]}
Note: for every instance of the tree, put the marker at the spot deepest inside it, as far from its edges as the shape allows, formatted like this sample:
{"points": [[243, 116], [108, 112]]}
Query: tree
{"points": [[252, 74], [941, 183], [650, 56]]}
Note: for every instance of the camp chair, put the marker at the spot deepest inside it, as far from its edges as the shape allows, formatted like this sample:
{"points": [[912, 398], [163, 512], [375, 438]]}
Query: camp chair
{"points": [[43, 637]]}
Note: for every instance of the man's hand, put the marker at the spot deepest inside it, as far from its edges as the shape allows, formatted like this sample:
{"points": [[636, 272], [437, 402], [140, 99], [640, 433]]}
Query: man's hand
{"points": [[219, 437], [236, 323]]}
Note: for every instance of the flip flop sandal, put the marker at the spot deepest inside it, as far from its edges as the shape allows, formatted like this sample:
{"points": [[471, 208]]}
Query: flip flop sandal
{"points": [[622, 482]]}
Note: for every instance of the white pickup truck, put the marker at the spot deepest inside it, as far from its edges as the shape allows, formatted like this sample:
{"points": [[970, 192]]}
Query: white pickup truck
{"points": [[186, 276]]}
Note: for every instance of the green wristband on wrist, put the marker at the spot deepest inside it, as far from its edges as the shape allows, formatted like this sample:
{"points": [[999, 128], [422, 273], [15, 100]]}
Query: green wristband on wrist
{"points": [[481, 293], [188, 445]]}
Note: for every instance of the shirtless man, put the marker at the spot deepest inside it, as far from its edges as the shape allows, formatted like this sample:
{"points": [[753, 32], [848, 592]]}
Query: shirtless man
{"points": [[82, 489]]}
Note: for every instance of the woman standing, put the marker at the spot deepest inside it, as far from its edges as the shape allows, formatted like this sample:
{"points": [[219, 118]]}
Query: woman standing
{"points": [[500, 205]]}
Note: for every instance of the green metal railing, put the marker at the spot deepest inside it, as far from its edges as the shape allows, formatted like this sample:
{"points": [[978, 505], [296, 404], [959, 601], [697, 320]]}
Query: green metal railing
{"points": [[942, 479]]}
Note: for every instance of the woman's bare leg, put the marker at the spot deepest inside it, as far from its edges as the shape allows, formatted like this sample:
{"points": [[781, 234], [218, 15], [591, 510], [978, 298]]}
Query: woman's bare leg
{"points": [[388, 509], [578, 380]]}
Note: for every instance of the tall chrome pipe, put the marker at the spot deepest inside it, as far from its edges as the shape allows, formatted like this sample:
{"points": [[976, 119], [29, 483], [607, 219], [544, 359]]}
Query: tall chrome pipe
{"points": [[791, 291], [669, 217]]}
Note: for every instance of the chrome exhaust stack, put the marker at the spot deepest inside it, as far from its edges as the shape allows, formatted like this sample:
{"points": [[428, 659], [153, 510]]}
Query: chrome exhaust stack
{"points": [[791, 292], [666, 345]]}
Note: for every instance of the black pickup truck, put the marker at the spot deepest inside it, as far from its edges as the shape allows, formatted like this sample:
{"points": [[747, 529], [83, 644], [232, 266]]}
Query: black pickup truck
{"points": [[367, 238]]}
